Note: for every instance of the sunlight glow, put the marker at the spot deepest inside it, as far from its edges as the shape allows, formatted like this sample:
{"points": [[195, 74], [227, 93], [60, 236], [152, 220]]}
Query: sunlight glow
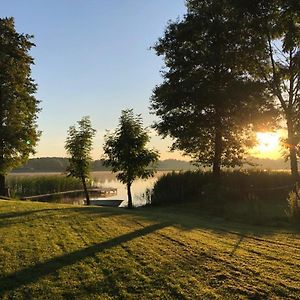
{"points": [[267, 141], [268, 145]]}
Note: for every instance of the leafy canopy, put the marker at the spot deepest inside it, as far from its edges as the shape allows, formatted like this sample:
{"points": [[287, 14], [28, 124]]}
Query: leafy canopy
{"points": [[125, 149], [18, 105], [208, 103], [79, 146], [273, 26]]}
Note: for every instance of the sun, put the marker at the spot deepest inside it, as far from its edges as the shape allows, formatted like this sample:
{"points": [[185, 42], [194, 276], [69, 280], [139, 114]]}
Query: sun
{"points": [[267, 141], [268, 145]]}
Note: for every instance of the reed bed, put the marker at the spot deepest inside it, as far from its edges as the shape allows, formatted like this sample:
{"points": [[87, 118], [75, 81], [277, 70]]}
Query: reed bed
{"points": [[255, 195], [25, 185]]}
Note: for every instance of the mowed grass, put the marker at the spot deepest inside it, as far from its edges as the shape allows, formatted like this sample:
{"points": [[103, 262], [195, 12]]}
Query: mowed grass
{"points": [[55, 251]]}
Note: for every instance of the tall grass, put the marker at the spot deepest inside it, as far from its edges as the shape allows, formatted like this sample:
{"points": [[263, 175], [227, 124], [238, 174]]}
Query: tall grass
{"points": [[22, 185], [254, 195], [179, 187]]}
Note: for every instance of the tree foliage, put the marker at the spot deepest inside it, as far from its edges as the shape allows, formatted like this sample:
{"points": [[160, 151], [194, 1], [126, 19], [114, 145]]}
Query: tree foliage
{"points": [[79, 145], [18, 105], [273, 26], [126, 153], [208, 103]]}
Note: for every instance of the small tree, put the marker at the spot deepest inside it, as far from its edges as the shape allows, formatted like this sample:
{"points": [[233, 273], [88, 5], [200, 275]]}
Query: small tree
{"points": [[125, 152], [79, 145], [18, 105]]}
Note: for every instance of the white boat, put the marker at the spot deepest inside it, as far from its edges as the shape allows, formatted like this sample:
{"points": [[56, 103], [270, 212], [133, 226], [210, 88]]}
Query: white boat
{"points": [[106, 202]]}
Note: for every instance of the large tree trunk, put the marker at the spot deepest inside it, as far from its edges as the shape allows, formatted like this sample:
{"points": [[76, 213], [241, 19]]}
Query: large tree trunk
{"points": [[292, 147], [218, 149], [3, 190], [129, 195], [85, 191]]}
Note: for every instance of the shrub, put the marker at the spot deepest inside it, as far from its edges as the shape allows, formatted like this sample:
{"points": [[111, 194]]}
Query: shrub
{"points": [[294, 204]]}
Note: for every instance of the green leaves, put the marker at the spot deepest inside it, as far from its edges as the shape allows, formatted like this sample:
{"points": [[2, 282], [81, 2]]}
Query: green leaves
{"points": [[206, 85], [125, 149], [79, 145], [275, 59], [18, 105]]}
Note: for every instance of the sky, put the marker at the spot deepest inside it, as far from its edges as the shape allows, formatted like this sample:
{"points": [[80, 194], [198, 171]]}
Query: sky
{"points": [[92, 58]]}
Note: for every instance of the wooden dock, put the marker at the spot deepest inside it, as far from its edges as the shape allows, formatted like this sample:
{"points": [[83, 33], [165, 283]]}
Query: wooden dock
{"points": [[93, 192]]}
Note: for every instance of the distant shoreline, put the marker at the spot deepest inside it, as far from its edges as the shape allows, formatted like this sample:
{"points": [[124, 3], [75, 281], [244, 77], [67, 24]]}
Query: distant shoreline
{"points": [[60, 164]]}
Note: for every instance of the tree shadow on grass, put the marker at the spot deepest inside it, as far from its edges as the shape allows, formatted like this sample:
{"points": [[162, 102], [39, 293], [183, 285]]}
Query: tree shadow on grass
{"points": [[194, 217], [237, 245], [18, 214], [186, 219], [34, 273], [19, 217]]}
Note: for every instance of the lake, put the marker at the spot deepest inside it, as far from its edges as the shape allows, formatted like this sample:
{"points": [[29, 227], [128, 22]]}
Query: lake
{"points": [[139, 186], [106, 179]]}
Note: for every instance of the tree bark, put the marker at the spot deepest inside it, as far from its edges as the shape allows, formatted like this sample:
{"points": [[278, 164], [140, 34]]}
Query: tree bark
{"points": [[218, 149], [129, 195], [85, 191], [292, 148], [2, 176], [3, 191]]}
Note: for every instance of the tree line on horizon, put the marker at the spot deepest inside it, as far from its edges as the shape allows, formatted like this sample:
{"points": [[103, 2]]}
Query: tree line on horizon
{"points": [[232, 67], [60, 164]]}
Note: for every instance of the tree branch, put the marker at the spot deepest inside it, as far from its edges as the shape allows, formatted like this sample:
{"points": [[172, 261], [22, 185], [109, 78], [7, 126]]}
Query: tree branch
{"points": [[291, 88], [276, 88]]}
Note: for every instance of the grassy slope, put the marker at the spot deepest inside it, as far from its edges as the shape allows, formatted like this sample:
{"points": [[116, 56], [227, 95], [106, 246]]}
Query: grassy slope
{"points": [[66, 252]]}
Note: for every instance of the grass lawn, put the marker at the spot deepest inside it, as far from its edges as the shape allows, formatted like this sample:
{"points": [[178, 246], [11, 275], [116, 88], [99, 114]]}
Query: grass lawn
{"points": [[52, 251]]}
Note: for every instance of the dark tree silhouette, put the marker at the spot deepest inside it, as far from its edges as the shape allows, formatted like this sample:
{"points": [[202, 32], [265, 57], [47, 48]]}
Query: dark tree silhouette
{"points": [[18, 105], [273, 29], [207, 103], [126, 153]]}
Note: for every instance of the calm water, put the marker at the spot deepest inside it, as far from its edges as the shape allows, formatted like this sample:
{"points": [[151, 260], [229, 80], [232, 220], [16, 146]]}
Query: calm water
{"points": [[107, 179]]}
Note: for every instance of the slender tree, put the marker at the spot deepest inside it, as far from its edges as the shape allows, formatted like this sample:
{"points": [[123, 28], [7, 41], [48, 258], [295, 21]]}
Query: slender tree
{"points": [[207, 103], [273, 29], [79, 146], [18, 105], [126, 153]]}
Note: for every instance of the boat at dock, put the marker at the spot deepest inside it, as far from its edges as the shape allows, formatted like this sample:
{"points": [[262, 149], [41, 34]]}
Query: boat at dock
{"points": [[106, 202]]}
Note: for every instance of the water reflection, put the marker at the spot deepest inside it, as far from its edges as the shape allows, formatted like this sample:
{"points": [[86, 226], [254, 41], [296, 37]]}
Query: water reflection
{"points": [[107, 179], [139, 186]]}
